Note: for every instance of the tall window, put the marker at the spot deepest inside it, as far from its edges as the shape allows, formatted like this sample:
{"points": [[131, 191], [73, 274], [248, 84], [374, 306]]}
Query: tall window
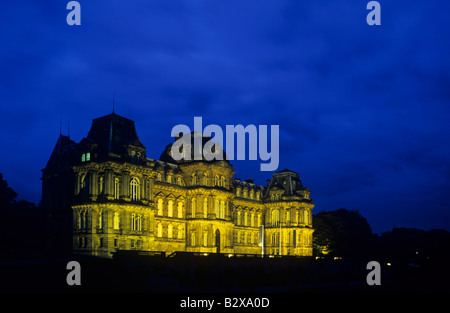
{"points": [[216, 208], [194, 179], [205, 238], [288, 218], [100, 220], [252, 220], [116, 220], [245, 219], [159, 230], [239, 218], [158, 177], [160, 206], [180, 232], [222, 209], [136, 222], [193, 207], [170, 231], [275, 218], [116, 188], [222, 181], [193, 243], [169, 179], [180, 210], [85, 188], [170, 208], [135, 189], [179, 181], [205, 207]]}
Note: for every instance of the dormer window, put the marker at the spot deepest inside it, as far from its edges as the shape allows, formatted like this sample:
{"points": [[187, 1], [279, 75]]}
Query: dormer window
{"points": [[86, 157]]}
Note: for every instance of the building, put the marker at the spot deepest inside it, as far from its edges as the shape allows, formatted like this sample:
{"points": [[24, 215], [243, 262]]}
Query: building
{"points": [[104, 194]]}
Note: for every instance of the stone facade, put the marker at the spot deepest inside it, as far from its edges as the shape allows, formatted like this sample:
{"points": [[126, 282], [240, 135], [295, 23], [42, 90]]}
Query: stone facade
{"points": [[104, 194]]}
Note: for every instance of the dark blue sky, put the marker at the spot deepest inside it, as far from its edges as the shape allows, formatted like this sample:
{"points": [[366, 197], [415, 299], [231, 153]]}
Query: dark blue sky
{"points": [[363, 110]]}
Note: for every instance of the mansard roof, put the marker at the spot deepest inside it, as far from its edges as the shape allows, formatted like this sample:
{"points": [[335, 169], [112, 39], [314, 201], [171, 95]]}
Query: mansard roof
{"points": [[113, 133], [287, 180]]}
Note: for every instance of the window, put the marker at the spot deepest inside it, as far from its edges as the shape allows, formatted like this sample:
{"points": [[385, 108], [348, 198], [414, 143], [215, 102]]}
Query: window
{"points": [[245, 193], [194, 179], [193, 207], [205, 239], [135, 189], [216, 208], [134, 222], [252, 194], [170, 208], [238, 237], [179, 181], [158, 177], [116, 188], [88, 156], [193, 243], [205, 207], [252, 220], [216, 180], [238, 192], [222, 181], [83, 157], [275, 218], [288, 218], [159, 230], [180, 232], [160, 206], [100, 220], [180, 210], [239, 218], [116, 220], [170, 231], [222, 209], [169, 179], [85, 188], [245, 219]]}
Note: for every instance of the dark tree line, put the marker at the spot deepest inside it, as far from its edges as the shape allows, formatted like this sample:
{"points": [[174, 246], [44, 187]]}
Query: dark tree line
{"points": [[22, 225], [345, 233]]}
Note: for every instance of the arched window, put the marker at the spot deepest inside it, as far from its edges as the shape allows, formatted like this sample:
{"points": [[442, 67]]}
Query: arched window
{"points": [[252, 194], [245, 219], [245, 193], [216, 180], [193, 207], [169, 179], [205, 207], [116, 188], [135, 189], [158, 177], [252, 220], [222, 181], [160, 206], [170, 231], [179, 181], [159, 230], [180, 210], [170, 208], [238, 192], [194, 179], [275, 218], [238, 218], [116, 220], [288, 218]]}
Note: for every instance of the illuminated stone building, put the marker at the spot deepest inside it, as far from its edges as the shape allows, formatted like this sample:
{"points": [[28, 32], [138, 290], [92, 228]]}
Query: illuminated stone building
{"points": [[104, 194]]}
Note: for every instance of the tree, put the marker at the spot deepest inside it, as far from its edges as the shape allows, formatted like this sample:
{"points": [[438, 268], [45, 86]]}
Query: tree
{"points": [[342, 233]]}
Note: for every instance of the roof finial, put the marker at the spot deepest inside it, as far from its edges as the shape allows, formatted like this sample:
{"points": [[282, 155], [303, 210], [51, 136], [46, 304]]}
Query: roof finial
{"points": [[114, 101]]}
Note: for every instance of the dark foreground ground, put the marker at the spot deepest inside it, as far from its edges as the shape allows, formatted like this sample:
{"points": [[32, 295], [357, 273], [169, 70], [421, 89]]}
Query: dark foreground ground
{"points": [[192, 274]]}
